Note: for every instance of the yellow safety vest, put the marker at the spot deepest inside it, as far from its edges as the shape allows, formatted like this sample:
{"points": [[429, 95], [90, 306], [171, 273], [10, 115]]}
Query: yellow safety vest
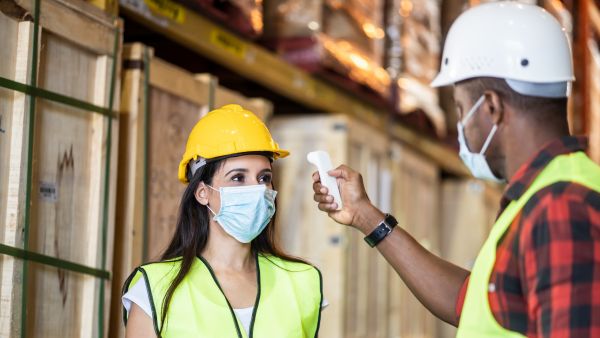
{"points": [[477, 320], [288, 304]]}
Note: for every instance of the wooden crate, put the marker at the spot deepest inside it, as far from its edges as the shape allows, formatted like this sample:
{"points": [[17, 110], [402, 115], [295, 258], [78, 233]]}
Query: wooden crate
{"points": [[261, 107], [469, 209], [13, 107], [109, 6], [64, 213], [367, 298], [415, 203], [153, 139]]}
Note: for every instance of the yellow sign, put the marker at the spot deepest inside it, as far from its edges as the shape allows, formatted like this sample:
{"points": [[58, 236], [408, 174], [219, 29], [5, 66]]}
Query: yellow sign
{"points": [[168, 9], [228, 42]]}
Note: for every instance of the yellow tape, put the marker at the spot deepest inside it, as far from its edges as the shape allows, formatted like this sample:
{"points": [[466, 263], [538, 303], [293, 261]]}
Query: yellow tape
{"points": [[168, 9], [228, 42]]}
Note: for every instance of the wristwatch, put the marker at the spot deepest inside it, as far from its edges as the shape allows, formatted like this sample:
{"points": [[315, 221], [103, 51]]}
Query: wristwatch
{"points": [[382, 230]]}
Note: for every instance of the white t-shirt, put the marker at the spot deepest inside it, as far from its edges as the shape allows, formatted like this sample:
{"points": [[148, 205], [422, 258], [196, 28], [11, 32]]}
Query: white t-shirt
{"points": [[138, 294]]}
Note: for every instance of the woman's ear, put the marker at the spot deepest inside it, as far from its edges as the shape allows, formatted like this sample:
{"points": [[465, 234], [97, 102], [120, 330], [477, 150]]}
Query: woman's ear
{"points": [[201, 193]]}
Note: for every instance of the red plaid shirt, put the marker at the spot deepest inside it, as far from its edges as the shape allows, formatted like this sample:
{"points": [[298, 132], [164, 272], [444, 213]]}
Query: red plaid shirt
{"points": [[547, 269]]}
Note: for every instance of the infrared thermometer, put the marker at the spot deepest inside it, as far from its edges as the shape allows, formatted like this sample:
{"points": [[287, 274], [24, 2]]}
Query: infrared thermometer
{"points": [[322, 161]]}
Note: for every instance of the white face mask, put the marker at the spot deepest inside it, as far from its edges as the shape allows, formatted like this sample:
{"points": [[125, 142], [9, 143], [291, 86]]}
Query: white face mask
{"points": [[476, 162], [245, 210]]}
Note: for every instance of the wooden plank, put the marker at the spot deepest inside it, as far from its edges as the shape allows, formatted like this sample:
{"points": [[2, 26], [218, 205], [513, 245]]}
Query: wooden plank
{"points": [[176, 101], [594, 98], [9, 36], [174, 80], [69, 156], [415, 204], [129, 227], [14, 145], [95, 29], [171, 120], [297, 215], [369, 318], [262, 108], [109, 6]]}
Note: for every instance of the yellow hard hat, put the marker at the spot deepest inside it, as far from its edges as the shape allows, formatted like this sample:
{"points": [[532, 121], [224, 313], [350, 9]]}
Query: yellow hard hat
{"points": [[228, 130]]}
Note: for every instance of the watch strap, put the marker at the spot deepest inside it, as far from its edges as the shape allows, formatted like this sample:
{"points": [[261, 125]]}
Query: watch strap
{"points": [[382, 230]]}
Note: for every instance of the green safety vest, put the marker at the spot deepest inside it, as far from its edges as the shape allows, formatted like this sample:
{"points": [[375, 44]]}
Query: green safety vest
{"points": [[288, 304], [477, 320]]}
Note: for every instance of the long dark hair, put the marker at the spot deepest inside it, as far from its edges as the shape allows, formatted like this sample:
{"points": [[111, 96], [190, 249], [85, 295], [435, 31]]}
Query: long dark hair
{"points": [[192, 230]]}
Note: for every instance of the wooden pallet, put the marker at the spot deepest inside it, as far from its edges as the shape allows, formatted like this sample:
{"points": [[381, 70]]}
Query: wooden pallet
{"points": [[367, 298], [149, 191], [469, 209], [68, 211]]}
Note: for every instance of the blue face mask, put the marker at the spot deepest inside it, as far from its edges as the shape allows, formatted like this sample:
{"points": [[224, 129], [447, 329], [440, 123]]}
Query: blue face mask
{"points": [[245, 210], [476, 162]]}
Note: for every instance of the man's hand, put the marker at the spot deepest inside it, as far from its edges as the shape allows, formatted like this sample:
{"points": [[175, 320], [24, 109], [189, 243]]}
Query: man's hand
{"points": [[358, 210]]}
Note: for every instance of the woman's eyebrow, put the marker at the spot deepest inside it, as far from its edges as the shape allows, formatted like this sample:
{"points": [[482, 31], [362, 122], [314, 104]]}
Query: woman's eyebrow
{"points": [[243, 170]]}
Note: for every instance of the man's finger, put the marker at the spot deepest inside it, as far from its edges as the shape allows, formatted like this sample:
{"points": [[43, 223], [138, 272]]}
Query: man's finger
{"points": [[328, 207], [341, 172], [322, 198], [318, 188]]}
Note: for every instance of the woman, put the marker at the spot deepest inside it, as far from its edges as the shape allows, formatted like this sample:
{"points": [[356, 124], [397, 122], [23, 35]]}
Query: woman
{"points": [[222, 275]]}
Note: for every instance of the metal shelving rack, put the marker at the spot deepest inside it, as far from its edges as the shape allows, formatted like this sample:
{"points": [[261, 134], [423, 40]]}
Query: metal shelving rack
{"points": [[266, 68]]}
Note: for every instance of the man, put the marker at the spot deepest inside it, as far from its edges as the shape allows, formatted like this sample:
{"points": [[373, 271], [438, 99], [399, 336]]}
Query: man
{"points": [[538, 274]]}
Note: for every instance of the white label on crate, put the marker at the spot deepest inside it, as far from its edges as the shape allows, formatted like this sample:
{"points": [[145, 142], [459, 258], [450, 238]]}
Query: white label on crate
{"points": [[48, 192]]}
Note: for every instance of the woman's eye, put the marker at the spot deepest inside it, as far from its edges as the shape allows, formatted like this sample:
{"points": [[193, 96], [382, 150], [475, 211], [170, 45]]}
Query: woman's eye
{"points": [[265, 179], [238, 178]]}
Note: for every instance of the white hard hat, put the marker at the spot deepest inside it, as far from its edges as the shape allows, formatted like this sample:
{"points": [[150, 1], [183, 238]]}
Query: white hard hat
{"points": [[521, 43]]}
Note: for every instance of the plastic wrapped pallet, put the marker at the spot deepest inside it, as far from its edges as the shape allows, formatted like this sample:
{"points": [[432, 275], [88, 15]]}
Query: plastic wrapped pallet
{"points": [[242, 16], [469, 209], [58, 149], [160, 105], [414, 48], [367, 298], [343, 36]]}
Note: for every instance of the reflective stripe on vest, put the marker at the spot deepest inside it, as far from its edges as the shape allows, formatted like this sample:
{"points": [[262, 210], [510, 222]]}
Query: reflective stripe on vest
{"points": [[477, 319], [288, 304]]}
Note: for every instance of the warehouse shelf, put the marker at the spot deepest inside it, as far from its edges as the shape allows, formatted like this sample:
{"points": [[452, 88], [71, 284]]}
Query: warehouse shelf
{"points": [[266, 68]]}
